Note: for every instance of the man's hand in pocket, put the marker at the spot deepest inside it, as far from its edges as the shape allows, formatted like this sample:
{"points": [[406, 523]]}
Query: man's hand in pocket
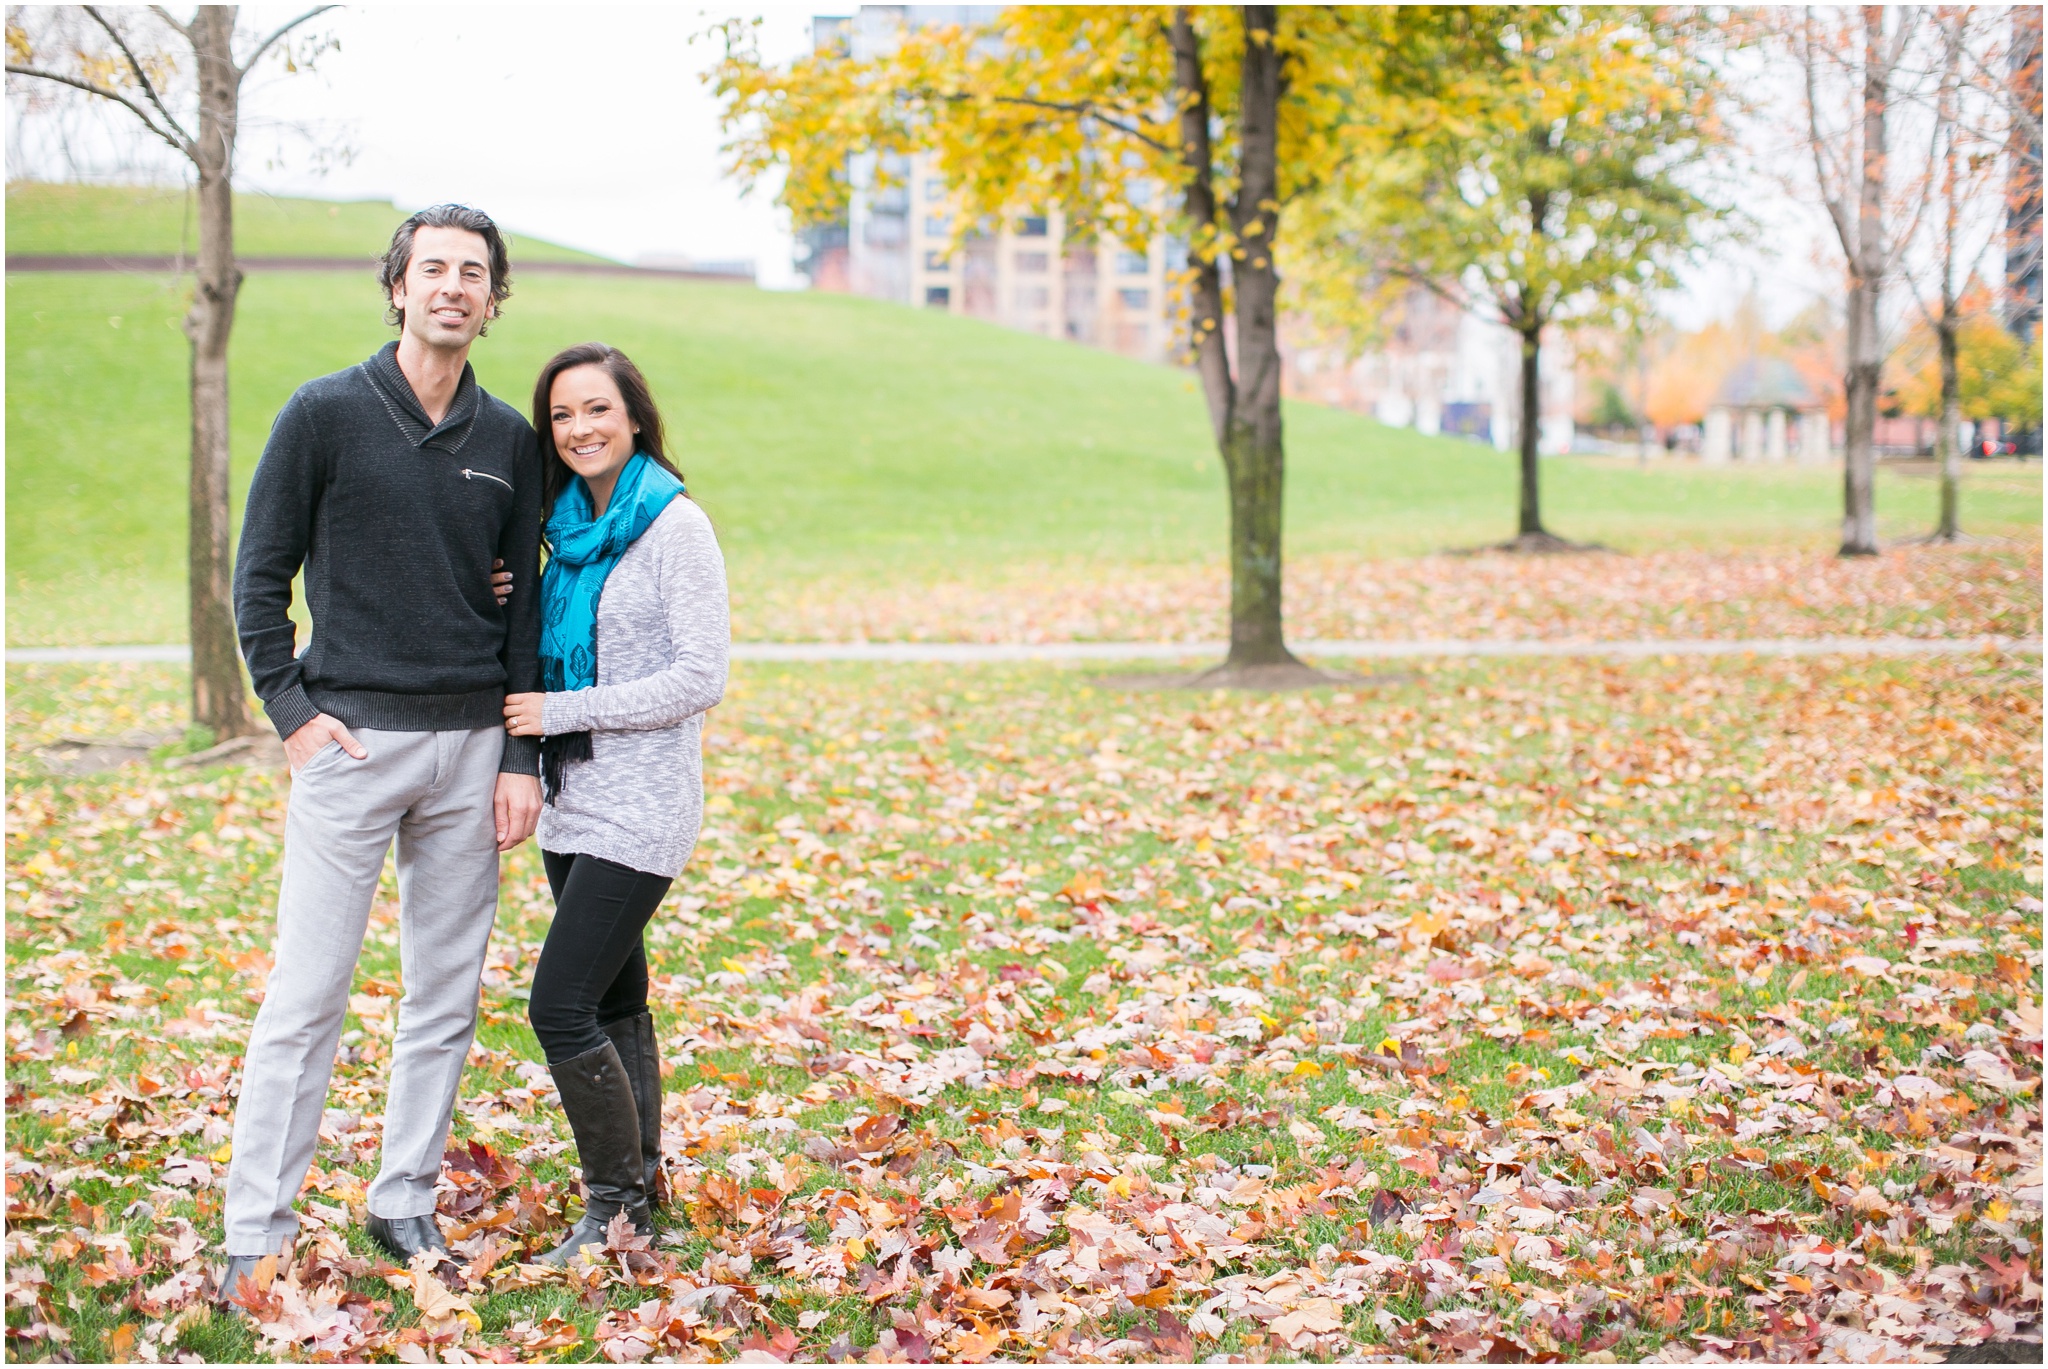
{"points": [[304, 744]]}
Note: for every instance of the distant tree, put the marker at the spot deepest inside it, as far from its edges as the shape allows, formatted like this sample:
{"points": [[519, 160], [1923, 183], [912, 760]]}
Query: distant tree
{"points": [[2016, 398], [1977, 379], [1855, 79], [183, 83], [1966, 200], [1560, 198], [1134, 120]]}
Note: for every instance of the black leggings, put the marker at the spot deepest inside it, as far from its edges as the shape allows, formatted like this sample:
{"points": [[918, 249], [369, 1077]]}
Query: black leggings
{"points": [[593, 969]]}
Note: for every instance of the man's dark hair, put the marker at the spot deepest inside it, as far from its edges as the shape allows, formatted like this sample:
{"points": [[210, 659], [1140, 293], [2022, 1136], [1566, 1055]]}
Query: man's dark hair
{"points": [[392, 266]]}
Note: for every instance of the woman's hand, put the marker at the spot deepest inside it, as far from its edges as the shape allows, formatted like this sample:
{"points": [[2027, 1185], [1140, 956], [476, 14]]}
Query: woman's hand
{"points": [[522, 714], [501, 582]]}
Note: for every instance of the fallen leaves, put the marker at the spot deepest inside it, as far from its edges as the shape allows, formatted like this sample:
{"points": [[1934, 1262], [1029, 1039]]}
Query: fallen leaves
{"points": [[1554, 1012]]}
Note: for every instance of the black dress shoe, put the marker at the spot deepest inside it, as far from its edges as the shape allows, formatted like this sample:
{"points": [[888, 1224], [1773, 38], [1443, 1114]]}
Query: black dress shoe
{"points": [[406, 1237]]}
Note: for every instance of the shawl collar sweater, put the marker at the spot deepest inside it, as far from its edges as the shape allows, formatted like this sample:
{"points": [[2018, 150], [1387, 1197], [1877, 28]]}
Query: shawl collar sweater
{"points": [[395, 520]]}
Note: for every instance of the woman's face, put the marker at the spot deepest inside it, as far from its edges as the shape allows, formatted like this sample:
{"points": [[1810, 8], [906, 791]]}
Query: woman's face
{"points": [[593, 430]]}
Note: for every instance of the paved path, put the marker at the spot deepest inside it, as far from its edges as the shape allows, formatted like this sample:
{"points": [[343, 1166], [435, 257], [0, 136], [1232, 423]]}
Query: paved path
{"points": [[974, 653]]}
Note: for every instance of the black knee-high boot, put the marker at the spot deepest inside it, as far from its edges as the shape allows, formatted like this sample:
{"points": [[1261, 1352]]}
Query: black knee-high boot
{"points": [[634, 1038], [598, 1097]]}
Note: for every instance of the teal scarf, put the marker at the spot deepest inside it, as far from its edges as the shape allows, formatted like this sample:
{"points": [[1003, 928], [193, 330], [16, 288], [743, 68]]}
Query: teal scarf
{"points": [[582, 549]]}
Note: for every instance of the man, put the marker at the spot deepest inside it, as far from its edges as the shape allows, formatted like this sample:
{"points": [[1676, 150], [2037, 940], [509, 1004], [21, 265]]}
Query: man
{"points": [[395, 485]]}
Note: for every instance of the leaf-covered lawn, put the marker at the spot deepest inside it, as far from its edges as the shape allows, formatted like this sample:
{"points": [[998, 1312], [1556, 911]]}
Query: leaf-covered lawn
{"points": [[1971, 590], [1530, 1008]]}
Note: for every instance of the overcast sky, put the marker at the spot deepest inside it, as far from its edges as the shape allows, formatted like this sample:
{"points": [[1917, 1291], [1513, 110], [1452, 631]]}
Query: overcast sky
{"points": [[587, 124]]}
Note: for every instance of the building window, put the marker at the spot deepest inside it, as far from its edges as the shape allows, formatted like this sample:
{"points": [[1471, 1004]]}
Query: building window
{"points": [[1133, 264], [1032, 227], [1032, 263], [934, 191], [938, 296], [938, 225], [1135, 299], [1033, 297], [937, 261]]}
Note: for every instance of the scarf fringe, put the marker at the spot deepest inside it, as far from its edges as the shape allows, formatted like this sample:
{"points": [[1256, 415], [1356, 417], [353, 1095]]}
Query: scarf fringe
{"points": [[557, 754]]}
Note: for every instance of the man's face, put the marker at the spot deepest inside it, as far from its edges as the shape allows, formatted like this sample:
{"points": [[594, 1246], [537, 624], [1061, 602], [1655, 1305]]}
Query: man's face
{"points": [[446, 293]]}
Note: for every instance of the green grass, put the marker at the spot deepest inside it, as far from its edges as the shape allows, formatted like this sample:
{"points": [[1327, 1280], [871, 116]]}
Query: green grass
{"points": [[833, 439], [88, 220], [1701, 909]]}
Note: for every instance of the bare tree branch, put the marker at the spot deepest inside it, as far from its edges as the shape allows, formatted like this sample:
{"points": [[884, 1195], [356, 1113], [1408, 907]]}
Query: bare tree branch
{"points": [[1837, 210], [281, 31], [134, 66], [89, 88], [183, 30]]}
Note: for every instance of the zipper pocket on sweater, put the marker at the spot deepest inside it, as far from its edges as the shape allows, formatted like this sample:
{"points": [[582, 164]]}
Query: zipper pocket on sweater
{"points": [[468, 474]]}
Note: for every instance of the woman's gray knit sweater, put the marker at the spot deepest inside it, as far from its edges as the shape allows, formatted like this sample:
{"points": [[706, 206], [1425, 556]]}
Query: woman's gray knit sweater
{"points": [[662, 640]]}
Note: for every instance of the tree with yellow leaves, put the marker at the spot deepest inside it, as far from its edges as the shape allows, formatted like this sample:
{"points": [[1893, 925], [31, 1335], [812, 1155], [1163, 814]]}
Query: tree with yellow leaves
{"points": [[1557, 196], [1134, 120]]}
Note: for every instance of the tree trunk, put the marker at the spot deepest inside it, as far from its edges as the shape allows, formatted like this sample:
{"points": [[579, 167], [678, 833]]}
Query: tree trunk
{"points": [[1859, 477], [218, 694], [1205, 293], [1529, 522], [1254, 452], [1948, 443], [1866, 281]]}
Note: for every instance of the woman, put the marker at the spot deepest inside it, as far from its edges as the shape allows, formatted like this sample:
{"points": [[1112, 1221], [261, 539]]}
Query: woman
{"points": [[633, 650]]}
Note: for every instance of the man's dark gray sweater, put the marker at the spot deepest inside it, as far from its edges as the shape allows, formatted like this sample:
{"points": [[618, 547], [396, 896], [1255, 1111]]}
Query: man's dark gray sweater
{"points": [[396, 521]]}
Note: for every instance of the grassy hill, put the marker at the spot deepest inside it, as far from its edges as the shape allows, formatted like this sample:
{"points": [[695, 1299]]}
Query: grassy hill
{"points": [[88, 220], [831, 438]]}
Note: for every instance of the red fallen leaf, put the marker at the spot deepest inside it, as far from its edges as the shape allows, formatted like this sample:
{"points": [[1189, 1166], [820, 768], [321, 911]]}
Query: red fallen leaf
{"points": [[1665, 1312], [482, 1159], [874, 1134], [2010, 1272], [1171, 1342], [621, 1237], [1014, 973], [119, 1268], [1423, 1163], [1445, 970], [552, 1334], [782, 1346]]}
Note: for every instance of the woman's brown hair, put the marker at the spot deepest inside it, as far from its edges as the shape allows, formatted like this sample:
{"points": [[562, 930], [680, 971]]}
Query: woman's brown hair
{"points": [[554, 472]]}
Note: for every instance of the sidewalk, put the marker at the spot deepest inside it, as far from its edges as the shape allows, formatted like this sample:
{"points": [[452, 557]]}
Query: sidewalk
{"points": [[977, 653]]}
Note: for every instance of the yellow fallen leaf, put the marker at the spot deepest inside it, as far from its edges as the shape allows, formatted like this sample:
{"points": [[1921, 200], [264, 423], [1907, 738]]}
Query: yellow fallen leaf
{"points": [[1739, 1052], [1309, 1068], [733, 965], [224, 1154], [1997, 1210], [1317, 1316], [857, 1248]]}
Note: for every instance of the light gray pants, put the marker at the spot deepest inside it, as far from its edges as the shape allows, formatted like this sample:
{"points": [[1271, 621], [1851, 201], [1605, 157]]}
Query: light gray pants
{"points": [[433, 791]]}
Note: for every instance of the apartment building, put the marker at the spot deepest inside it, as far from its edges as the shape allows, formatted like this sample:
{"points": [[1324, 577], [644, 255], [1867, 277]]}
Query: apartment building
{"points": [[1029, 273]]}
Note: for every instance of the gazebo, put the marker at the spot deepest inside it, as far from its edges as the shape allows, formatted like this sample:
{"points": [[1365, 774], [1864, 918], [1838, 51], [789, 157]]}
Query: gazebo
{"points": [[1755, 411]]}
